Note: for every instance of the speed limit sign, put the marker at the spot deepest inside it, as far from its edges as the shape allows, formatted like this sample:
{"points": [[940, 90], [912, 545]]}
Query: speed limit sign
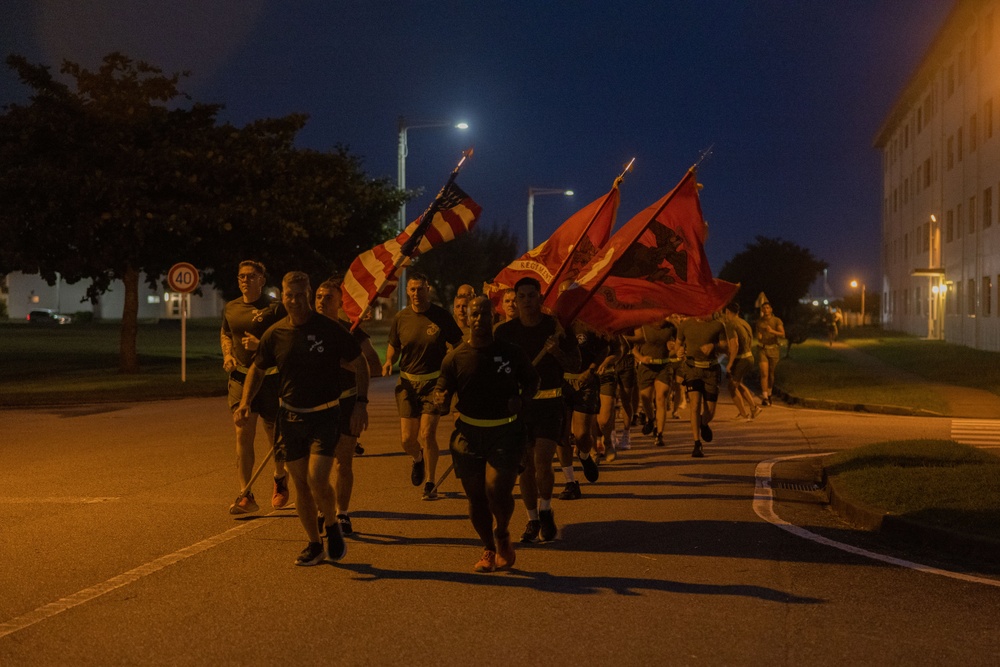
{"points": [[183, 277]]}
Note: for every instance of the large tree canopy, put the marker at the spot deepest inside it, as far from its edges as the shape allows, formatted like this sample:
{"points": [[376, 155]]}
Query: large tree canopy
{"points": [[472, 258], [121, 177], [781, 269]]}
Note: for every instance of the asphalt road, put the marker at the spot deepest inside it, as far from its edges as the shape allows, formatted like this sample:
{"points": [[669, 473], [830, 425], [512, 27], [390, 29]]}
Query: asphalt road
{"points": [[117, 548]]}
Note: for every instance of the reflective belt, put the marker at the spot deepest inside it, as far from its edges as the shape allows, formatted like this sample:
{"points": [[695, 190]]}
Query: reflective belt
{"points": [[548, 393], [423, 377], [347, 393], [487, 423], [746, 355], [572, 376], [701, 364], [673, 360], [270, 371], [657, 361], [317, 408]]}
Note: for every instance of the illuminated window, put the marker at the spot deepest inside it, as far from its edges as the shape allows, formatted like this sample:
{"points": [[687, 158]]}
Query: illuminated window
{"points": [[153, 298]]}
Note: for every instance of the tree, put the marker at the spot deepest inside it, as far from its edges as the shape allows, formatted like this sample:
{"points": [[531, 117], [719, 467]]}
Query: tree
{"points": [[117, 178], [473, 258], [781, 269]]}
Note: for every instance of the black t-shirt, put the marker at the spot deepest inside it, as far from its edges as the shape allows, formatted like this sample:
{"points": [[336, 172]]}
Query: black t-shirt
{"points": [[532, 340], [487, 378], [239, 318], [308, 359], [420, 338], [594, 348]]}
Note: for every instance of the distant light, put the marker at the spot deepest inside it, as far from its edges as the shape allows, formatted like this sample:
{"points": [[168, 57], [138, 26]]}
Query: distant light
{"points": [[815, 303], [854, 283], [826, 302], [933, 218], [568, 193], [934, 289], [462, 126]]}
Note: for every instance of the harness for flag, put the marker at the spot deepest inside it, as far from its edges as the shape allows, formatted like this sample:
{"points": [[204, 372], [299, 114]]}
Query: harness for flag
{"points": [[375, 273], [557, 261], [653, 266]]}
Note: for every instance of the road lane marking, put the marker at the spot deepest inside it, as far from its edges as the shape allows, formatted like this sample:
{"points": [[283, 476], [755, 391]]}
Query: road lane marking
{"points": [[59, 500], [763, 505], [982, 433], [86, 595]]}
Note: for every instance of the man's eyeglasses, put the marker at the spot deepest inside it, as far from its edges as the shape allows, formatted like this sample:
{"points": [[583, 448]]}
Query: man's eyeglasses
{"points": [[243, 277]]}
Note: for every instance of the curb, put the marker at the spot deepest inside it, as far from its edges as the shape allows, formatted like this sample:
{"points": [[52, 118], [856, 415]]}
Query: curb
{"points": [[844, 406], [872, 519]]}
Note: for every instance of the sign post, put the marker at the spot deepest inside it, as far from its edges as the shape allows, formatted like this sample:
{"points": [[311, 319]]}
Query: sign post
{"points": [[184, 278]]}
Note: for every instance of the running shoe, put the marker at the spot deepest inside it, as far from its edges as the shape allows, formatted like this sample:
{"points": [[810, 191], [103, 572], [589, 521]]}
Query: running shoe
{"points": [[547, 520], [506, 555], [610, 454], [706, 433], [756, 412], [358, 449], [417, 473], [590, 470], [280, 496], [648, 427], [488, 563], [430, 493], [625, 441], [244, 505], [696, 452], [321, 524], [571, 492], [345, 524], [531, 531], [336, 548], [659, 440], [311, 555]]}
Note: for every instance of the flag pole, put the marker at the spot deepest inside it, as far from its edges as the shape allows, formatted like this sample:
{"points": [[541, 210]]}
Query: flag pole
{"points": [[407, 248], [690, 174], [562, 267]]}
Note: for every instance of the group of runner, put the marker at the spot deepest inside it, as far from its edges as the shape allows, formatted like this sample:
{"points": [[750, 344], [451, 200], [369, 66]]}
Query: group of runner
{"points": [[522, 391]]}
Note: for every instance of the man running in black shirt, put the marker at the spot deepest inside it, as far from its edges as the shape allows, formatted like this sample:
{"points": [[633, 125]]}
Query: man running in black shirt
{"points": [[490, 378], [309, 351], [244, 321]]}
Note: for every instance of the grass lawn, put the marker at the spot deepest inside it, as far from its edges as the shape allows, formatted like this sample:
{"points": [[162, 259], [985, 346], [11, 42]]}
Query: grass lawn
{"points": [[816, 371], [78, 363], [935, 482]]}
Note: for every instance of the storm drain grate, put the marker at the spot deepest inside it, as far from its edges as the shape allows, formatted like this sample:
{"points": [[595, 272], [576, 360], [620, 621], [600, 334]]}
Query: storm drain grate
{"points": [[798, 486]]}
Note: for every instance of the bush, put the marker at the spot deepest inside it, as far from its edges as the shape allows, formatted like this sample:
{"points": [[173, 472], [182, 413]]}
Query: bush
{"points": [[83, 316]]}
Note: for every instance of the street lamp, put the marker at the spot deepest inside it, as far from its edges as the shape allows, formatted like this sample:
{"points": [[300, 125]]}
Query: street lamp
{"points": [[531, 208], [403, 150], [854, 284]]}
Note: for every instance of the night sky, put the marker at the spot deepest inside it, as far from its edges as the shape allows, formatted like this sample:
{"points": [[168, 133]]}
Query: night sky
{"points": [[557, 95]]}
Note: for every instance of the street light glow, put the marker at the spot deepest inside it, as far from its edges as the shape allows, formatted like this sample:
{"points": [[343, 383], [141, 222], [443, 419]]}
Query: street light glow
{"points": [[462, 126]]}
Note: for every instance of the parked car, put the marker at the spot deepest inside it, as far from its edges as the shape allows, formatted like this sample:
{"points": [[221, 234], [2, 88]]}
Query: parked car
{"points": [[47, 317]]}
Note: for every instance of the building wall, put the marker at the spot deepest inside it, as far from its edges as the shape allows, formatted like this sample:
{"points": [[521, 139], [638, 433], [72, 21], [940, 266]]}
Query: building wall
{"points": [[29, 292], [941, 187]]}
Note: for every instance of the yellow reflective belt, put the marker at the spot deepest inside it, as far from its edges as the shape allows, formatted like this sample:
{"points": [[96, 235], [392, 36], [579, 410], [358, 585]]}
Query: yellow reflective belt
{"points": [[487, 422], [572, 376], [673, 360], [347, 393], [270, 371], [423, 377], [746, 355], [317, 408], [701, 364], [548, 393], [659, 361]]}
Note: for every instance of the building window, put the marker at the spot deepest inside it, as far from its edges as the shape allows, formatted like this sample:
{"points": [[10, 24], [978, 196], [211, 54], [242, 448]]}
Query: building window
{"points": [[917, 300], [972, 132], [917, 180], [958, 299], [958, 143], [987, 296], [972, 215], [988, 119], [951, 152], [958, 221], [987, 207], [152, 298], [949, 226], [927, 173], [971, 296], [906, 246]]}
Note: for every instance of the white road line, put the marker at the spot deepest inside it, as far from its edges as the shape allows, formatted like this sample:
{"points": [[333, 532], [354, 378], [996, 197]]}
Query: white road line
{"points": [[983, 433], [763, 505], [59, 500], [86, 595]]}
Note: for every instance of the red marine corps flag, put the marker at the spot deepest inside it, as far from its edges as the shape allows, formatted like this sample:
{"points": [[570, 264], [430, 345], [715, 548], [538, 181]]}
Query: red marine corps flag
{"points": [[558, 259], [375, 273], [653, 266]]}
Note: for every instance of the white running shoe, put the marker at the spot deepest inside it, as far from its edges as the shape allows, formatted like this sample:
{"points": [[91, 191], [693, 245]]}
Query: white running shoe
{"points": [[624, 440]]}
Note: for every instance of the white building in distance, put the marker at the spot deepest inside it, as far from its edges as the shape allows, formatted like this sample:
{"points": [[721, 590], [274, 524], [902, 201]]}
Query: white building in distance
{"points": [[940, 146]]}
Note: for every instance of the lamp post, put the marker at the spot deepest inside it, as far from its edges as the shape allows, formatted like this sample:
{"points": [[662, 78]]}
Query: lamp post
{"points": [[402, 151], [531, 208], [854, 284]]}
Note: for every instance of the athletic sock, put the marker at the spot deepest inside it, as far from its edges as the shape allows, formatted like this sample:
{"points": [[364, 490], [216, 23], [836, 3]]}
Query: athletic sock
{"points": [[568, 473], [533, 515], [544, 504]]}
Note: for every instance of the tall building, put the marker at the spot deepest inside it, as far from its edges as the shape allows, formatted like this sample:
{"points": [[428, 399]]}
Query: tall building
{"points": [[940, 146]]}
